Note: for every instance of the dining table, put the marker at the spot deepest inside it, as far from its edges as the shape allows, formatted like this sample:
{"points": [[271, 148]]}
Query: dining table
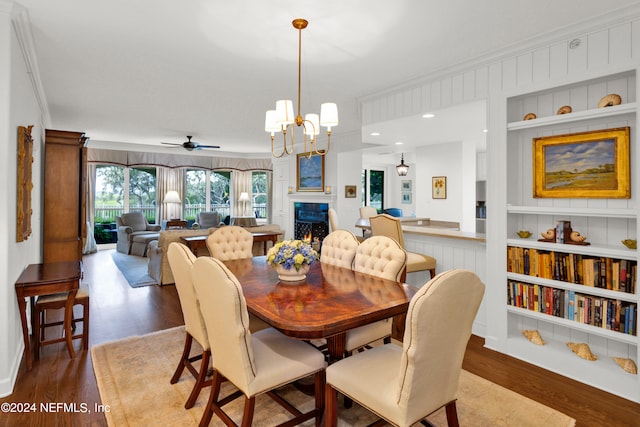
{"points": [[331, 301]]}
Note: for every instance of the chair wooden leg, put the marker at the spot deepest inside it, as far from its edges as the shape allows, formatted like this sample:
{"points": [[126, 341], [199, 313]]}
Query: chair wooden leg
{"points": [[247, 415], [432, 272], [330, 406], [320, 381], [85, 326], [183, 359], [201, 381], [38, 333], [452, 414], [213, 398]]}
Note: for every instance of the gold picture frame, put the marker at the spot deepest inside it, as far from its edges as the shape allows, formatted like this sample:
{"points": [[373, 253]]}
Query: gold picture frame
{"points": [[591, 164], [438, 187], [350, 191], [310, 172], [24, 183]]}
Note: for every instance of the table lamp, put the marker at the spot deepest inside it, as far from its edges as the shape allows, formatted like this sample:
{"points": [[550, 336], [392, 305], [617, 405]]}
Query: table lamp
{"points": [[244, 198], [171, 197]]}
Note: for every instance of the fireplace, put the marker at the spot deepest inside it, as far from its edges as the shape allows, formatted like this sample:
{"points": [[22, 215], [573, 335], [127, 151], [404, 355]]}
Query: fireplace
{"points": [[311, 220]]}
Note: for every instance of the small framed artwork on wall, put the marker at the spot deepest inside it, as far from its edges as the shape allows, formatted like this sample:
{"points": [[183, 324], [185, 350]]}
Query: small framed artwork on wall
{"points": [[439, 187], [350, 191], [406, 198], [405, 185]]}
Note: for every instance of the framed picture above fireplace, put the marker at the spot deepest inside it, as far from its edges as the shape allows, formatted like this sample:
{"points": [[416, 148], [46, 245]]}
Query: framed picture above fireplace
{"points": [[310, 172]]}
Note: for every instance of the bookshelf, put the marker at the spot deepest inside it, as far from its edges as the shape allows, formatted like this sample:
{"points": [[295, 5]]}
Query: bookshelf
{"points": [[605, 222]]}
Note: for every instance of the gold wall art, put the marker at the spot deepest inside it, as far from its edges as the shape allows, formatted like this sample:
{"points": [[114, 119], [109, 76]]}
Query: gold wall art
{"points": [[25, 184]]}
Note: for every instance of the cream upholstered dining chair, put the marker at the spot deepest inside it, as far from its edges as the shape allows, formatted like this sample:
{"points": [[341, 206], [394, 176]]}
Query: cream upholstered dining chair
{"points": [[339, 249], [232, 242], [386, 225], [333, 219], [367, 212], [381, 257], [421, 376], [181, 260], [255, 363]]}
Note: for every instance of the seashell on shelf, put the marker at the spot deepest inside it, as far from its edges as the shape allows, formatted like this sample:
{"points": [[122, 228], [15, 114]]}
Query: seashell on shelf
{"points": [[630, 243], [529, 116], [565, 109], [534, 336], [627, 364], [582, 350], [575, 236], [549, 234], [523, 233], [610, 100]]}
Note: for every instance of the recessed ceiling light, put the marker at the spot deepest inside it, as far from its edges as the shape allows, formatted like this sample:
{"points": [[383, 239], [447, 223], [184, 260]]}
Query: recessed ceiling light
{"points": [[428, 115], [399, 143], [485, 130], [375, 133]]}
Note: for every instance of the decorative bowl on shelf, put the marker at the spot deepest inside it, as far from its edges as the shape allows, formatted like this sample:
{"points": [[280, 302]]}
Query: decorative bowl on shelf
{"points": [[630, 243], [524, 234]]}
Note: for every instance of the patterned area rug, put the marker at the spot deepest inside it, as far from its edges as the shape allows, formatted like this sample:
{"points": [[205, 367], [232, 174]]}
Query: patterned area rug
{"points": [[133, 268], [133, 379]]}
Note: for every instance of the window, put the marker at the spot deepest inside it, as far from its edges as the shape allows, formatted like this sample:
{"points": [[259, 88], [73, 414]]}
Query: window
{"points": [[260, 194], [373, 188], [142, 192], [109, 201], [195, 199], [219, 193]]}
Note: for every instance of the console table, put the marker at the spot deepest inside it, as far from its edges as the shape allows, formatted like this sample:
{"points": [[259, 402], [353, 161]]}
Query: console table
{"points": [[46, 279]]}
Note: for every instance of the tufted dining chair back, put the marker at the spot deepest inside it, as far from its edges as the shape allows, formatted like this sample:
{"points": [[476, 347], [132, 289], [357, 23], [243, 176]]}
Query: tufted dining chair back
{"points": [[229, 243], [339, 249], [333, 219], [381, 256], [368, 211]]}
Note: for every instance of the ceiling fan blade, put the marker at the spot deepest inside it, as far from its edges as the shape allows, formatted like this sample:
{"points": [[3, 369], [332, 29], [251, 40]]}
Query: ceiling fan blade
{"points": [[208, 146], [170, 143]]}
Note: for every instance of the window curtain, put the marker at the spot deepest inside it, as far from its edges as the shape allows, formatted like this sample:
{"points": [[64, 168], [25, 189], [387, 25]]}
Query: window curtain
{"points": [[269, 196], [241, 184], [90, 245], [168, 180]]}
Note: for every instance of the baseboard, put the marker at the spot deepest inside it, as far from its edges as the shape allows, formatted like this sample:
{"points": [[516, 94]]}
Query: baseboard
{"points": [[7, 384]]}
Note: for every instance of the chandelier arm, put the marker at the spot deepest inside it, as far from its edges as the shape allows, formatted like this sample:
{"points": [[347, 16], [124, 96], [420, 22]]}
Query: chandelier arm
{"points": [[273, 147]]}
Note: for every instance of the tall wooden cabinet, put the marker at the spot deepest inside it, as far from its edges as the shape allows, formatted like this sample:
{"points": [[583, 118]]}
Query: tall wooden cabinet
{"points": [[65, 173]]}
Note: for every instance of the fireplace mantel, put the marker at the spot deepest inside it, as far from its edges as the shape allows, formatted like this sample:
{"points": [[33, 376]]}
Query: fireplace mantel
{"points": [[312, 197]]}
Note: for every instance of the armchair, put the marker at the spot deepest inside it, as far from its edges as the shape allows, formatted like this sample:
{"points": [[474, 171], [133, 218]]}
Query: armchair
{"points": [[134, 233], [208, 219]]}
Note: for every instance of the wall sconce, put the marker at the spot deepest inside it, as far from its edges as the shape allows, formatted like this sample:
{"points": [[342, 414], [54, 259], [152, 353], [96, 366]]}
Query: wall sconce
{"points": [[327, 189], [289, 190], [172, 198]]}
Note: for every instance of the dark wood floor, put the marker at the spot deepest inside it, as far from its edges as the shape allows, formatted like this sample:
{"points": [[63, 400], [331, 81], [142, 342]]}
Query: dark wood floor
{"points": [[119, 311]]}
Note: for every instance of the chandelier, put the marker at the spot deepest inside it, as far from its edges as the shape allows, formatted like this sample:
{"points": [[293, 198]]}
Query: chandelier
{"points": [[282, 119], [402, 169]]}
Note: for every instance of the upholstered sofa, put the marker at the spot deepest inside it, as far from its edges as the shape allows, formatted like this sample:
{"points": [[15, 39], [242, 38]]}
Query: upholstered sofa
{"points": [[158, 265]]}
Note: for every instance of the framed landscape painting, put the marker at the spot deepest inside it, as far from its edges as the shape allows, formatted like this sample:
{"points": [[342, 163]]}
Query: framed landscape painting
{"points": [[310, 172], [582, 165]]}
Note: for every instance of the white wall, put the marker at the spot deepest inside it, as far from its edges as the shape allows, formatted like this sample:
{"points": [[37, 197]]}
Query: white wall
{"points": [[20, 107]]}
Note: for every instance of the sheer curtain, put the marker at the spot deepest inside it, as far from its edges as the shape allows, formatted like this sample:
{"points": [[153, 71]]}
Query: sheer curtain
{"points": [[269, 198], [90, 245], [167, 180], [241, 184]]}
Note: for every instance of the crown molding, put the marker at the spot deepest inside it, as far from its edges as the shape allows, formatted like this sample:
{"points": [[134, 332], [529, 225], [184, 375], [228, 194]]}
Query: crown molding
{"points": [[22, 27]]}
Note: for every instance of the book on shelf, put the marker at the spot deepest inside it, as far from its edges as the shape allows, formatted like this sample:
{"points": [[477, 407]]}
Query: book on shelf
{"points": [[593, 271], [601, 312]]}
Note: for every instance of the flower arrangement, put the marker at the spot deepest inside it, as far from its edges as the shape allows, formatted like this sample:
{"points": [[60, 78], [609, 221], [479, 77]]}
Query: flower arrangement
{"points": [[291, 254]]}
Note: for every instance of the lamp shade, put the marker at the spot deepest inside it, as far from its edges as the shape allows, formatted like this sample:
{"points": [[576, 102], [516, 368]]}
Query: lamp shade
{"points": [[329, 115], [312, 127], [244, 197], [270, 124], [171, 197], [284, 112]]}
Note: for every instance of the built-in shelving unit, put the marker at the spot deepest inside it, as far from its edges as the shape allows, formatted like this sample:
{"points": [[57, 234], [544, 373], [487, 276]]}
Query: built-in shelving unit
{"points": [[605, 222]]}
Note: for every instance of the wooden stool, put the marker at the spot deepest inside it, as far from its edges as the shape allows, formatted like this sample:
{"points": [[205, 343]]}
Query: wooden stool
{"points": [[54, 302]]}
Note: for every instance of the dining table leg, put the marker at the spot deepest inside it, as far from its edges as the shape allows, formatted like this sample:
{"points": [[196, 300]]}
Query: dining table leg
{"points": [[336, 346]]}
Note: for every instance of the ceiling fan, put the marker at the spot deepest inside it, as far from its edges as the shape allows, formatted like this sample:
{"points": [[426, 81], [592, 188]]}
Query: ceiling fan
{"points": [[190, 145]]}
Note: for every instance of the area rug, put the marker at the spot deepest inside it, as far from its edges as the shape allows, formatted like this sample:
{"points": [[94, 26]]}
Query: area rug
{"points": [[133, 268], [133, 379]]}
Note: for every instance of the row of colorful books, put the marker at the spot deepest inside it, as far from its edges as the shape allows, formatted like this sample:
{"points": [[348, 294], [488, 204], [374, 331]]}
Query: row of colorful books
{"points": [[601, 272], [607, 313]]}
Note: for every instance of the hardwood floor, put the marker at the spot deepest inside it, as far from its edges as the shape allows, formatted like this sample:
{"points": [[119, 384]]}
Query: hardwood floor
{"points": [[119, 311]]}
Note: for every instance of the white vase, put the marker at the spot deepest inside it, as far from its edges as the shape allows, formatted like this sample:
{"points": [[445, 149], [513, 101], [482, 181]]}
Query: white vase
{"points": [[292, 275]]}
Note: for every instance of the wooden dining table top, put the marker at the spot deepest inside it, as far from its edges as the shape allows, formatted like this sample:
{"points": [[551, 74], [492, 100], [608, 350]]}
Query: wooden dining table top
{"points": [[331, 301]]}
